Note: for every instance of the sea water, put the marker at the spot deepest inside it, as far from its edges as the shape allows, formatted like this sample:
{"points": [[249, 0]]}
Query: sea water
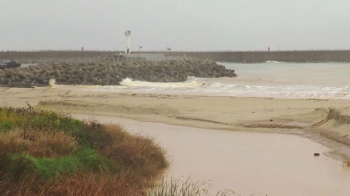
{"points": [[271, 79]]}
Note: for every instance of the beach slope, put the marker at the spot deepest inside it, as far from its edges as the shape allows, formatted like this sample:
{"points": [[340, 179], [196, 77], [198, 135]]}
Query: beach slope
{"points": [[321, 120]]}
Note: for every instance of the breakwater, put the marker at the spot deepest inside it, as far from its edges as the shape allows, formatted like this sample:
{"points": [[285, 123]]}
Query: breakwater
{"points": [[264, 56], [111, 73], [227, 56], [54, 54]]}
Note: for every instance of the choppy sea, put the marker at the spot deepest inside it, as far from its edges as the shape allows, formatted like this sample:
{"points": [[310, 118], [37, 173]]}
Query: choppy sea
{"points": [[271, 80]]}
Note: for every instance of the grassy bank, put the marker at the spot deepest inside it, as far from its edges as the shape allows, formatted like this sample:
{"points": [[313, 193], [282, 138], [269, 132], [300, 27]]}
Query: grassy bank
{"points": [[46, 153]]}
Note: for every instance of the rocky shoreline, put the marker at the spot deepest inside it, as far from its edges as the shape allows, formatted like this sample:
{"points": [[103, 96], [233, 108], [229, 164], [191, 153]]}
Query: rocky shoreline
{"points": [[111, 73]]}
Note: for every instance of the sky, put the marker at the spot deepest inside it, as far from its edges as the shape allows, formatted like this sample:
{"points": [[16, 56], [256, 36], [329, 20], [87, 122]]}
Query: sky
{"points": [[196, 25]]}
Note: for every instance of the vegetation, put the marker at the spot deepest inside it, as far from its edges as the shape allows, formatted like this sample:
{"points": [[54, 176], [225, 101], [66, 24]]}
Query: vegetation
{"points": [[346, 159], [46, 153], [188, 187]]}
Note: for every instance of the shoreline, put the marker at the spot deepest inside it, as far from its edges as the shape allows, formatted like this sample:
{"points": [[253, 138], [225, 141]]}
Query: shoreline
{"points": [[286, 116]]}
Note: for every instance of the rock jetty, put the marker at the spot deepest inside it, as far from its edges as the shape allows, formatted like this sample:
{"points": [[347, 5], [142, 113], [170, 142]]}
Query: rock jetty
{"points": [[111, 73]]}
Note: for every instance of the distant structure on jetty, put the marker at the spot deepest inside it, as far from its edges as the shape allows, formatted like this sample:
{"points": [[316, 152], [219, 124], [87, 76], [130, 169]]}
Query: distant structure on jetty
{"points": [[143, 56], [128, 46]]}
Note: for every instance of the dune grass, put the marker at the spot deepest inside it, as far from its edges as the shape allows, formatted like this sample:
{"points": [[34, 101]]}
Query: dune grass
{"points": [[46, 153]]}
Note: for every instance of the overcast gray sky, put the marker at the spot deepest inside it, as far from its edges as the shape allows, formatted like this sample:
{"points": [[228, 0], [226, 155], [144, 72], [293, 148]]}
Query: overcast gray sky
{"points": [[179, 24]]}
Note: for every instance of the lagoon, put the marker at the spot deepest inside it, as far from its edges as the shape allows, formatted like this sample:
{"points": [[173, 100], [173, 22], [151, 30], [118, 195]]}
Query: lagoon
{"points": [[246, 162]]}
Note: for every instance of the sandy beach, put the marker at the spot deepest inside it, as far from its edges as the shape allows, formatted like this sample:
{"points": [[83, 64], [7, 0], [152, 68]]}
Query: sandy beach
{"points": [[324, 121]]}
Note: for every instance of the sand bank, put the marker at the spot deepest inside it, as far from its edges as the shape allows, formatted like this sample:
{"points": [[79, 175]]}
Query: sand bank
{"points": [[308, 118]]}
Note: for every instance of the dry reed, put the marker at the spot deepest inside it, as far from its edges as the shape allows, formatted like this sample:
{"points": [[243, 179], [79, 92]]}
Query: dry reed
{"points": [[37, 143], [178, 187], [78, 184]]}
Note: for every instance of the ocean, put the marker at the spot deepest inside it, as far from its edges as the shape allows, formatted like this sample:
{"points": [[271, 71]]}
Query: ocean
{"points": [[271, 80]]}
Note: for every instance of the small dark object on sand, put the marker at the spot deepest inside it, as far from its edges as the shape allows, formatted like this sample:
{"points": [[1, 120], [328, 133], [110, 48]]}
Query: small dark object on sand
{"points": [[316, 154], [271, 120]]}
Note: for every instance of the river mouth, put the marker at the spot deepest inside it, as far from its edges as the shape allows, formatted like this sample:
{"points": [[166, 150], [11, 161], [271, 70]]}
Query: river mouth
{"points": [[246, 162]]}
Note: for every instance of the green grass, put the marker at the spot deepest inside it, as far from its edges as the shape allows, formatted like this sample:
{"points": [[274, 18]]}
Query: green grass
{"points": [[6, 126], [51, 167]]}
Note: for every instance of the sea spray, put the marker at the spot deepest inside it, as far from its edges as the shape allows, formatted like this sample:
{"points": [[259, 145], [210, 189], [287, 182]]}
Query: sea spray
{"points": [[52, 83]]}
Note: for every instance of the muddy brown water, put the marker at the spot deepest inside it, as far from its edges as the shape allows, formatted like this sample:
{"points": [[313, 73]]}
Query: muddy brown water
{"points": [[246, 162]]}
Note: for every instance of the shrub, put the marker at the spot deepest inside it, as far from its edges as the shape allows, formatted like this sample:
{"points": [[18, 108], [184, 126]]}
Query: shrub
{"points": [[45, 153], [133, 151]]}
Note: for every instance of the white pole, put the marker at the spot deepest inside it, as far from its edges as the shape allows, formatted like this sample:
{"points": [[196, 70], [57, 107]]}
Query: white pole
{"points": [[128, 48]]}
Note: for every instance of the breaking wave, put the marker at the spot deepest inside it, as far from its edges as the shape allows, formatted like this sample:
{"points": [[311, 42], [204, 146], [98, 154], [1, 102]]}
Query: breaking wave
{"points": [[273, 80], [273, 62], [188, 84], [213, 87]]}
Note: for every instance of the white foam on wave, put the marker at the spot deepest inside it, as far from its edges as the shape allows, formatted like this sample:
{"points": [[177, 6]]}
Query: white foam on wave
{"points": [[280, 91], [278, 62], [127, 82], [273, 62]]}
